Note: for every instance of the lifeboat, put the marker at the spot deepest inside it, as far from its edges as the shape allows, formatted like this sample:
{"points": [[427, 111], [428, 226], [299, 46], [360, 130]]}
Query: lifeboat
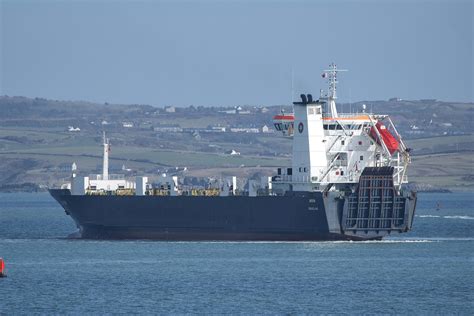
{"points": [[389, 140], [284, 123]]}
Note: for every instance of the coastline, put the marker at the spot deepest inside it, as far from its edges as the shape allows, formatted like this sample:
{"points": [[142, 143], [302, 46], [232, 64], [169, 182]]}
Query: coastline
{"points": [[29, 187]]}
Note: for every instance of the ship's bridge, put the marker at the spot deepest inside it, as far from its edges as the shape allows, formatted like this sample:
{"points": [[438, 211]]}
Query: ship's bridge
{"points": [[348, 116], [284, 123], [345, 123]]}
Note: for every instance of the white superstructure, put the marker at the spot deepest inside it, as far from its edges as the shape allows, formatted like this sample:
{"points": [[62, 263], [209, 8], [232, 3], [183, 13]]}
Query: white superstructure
{"points": [[309, 153], [331, 149], [80, 185]]}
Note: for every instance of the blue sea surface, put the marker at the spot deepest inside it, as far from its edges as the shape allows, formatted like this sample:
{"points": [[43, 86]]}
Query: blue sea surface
{"points": [[427, 271]]}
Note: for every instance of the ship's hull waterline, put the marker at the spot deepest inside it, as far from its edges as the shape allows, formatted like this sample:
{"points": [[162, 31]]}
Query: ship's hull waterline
{"points": [[302, 216]]}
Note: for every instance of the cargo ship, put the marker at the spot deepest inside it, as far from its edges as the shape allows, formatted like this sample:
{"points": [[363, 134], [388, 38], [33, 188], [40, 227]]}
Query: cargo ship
{"points": [[345, 182]]}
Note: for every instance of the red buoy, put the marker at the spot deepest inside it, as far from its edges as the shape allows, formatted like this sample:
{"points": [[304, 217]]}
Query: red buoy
{"points": [[2, 268]]}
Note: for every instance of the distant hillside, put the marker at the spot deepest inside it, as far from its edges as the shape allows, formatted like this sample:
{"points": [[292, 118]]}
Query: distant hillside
{"points": [[415, 119], [39, 139]]}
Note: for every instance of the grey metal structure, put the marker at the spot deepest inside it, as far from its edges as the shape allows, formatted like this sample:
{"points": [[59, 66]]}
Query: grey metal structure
{"points": [[376, 207]]}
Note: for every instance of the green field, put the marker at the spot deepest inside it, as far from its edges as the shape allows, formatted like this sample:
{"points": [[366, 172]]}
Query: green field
{"points": [[442, 144], [40, 155], [444, 170], [63, 147]]}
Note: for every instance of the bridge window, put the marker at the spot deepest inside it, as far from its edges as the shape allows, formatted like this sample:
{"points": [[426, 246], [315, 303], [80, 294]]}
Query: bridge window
{"points": [[333, 127]]}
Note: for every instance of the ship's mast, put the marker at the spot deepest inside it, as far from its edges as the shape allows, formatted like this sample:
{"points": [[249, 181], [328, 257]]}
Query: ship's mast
{"points": [[331, 75], [105, 164]]}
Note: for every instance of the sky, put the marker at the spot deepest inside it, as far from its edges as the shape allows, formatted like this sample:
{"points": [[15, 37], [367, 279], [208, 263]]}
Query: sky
{"points": [[214, 53]]}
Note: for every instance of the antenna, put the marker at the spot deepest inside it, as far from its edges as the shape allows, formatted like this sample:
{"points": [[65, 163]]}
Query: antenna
{"points": [[105, 162], [292, 85], [350, 100], [331, 74]]}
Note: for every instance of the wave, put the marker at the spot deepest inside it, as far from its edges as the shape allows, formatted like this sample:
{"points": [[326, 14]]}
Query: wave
{"points": [[458, 217], [396, 240], [56, 240], [446, 216], [413, 239], [449, 238], [330, 242]]}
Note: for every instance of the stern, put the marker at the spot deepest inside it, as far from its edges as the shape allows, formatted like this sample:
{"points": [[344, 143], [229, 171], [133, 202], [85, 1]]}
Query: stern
{"points": [[377, 209]]}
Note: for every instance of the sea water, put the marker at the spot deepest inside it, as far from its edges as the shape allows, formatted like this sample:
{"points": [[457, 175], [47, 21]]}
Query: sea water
{"points": [[427, 271]]}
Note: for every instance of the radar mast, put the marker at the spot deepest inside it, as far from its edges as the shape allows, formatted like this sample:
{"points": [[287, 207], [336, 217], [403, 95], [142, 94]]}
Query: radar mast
{"points": [[331, 75]]}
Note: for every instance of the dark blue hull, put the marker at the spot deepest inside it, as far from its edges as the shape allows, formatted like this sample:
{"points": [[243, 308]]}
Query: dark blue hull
{"points": [[198, 217], [296, 217]]}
